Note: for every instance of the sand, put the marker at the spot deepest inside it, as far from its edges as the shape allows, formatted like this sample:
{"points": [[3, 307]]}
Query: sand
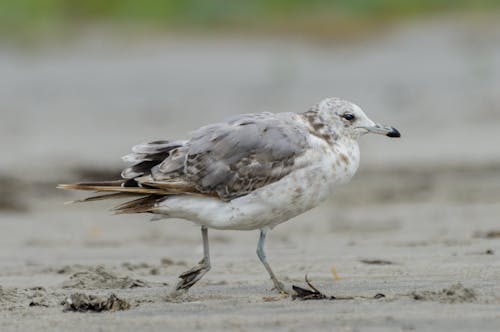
{"points": [[412, 243]]}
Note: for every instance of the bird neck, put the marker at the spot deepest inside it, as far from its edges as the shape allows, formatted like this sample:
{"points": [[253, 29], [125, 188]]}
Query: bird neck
{"points": [[318, 126]]}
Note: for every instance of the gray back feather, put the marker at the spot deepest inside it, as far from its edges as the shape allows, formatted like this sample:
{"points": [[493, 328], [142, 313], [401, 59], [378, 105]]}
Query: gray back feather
{"points": [[236, 157]]}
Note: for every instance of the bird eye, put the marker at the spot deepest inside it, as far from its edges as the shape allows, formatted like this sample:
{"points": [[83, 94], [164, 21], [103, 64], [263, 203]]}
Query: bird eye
{"points": [[348, 116]]}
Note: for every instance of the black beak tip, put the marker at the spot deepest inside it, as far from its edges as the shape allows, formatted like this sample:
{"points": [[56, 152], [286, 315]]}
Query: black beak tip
{"points": [[394, 133]]}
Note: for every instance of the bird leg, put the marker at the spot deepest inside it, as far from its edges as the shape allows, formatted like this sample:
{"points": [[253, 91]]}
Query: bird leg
{"points": [[262, 256], [193, 275]]}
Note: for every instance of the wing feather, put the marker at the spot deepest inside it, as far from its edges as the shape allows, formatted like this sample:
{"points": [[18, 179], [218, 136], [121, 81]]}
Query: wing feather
{"points": [[233, 158], [147, 155]]}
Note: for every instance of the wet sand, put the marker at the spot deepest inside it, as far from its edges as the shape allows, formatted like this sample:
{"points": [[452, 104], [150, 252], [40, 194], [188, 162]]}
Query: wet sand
{"points": [[418, 224]]}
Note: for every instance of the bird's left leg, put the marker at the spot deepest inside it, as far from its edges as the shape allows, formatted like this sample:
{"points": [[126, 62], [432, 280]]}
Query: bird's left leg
{"points": [[193, 275], [262, 256]]}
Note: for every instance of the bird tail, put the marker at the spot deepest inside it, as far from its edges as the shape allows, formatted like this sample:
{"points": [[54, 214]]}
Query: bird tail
{"points": [[149, 193], [114, 187], [116, 190]]}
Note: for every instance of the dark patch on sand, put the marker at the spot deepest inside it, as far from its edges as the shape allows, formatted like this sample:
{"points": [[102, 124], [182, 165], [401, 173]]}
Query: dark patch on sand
{"points": [[83, 303], [165, 261], [66, 269], [12, 193], [493, 234], [376, 262], [38, 297], [136, 266], [456, 293], [142, 268], [101, 278], [484, 252]]}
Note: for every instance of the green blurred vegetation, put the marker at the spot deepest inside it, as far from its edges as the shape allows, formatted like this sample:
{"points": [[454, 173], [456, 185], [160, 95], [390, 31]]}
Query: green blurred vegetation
{"points": [[21, 16]]}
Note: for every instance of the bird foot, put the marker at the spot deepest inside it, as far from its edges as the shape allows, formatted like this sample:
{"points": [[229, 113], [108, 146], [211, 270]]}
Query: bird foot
{"points": [[281, 289], [192, 276]]}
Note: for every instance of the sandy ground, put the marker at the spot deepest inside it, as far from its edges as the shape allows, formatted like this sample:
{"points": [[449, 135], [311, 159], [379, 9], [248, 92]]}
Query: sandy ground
{"points": [[418, 224]]}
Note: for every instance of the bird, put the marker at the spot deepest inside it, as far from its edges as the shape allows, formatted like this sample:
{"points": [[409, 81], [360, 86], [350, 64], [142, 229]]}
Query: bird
{"points": [[250, 172]]}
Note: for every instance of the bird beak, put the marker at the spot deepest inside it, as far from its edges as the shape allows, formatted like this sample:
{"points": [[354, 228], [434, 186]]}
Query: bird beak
{"points": [[382, 130]]}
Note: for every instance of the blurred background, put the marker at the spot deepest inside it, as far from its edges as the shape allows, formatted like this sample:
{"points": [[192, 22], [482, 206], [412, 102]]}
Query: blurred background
{"points": [[83, 81]]}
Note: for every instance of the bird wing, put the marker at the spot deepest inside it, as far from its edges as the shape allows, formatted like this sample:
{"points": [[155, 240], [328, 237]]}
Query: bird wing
{"points": [[229, 159]]}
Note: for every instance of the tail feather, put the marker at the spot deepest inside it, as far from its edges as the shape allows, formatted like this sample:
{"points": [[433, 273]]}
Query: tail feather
{"points": [[147, 187], [114, 190], [95, 186], [140, 205], [148, 194], [101, 197]]}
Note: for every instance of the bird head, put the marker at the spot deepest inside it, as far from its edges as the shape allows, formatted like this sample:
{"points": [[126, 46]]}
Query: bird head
{"points": [[348, 119]]}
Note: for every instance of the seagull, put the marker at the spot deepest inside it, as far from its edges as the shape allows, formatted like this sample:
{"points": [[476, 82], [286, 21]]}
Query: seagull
{"points": [[251, 172]]}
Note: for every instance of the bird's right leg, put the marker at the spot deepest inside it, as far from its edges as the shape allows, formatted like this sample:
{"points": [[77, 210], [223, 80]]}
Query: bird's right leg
{"points": [[193, 275], [262, 256]]}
